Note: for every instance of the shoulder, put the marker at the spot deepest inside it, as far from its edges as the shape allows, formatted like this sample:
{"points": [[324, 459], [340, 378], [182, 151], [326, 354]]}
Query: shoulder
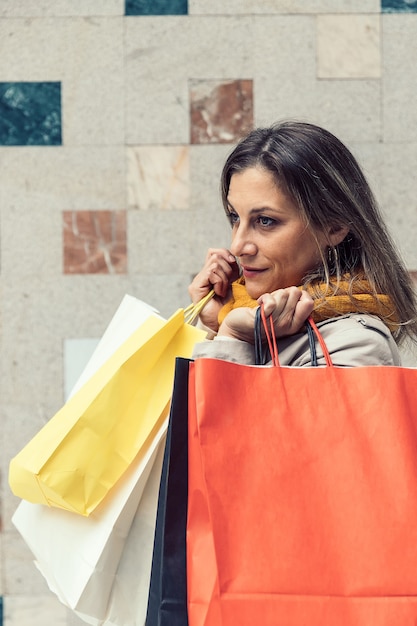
{"points": [[358, 340], [225, 349]]}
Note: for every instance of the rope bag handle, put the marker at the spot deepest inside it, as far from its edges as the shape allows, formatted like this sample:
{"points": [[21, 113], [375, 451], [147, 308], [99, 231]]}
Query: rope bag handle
{"points": [[192, 311], [264, 353]]}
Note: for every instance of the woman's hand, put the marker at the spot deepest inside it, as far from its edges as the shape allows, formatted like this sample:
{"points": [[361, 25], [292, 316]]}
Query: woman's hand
{"points": [[289, 309], [219, 271]]}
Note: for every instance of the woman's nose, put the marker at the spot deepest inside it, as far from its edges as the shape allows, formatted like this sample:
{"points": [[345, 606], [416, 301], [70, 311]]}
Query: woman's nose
{"points": [[242, 244]]}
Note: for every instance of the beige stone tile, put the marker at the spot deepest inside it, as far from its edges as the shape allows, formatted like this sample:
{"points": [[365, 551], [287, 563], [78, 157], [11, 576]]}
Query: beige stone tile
{"points": [[60, 8], [38, 316], [21, 422], [159, 241], [22, 577], [286, 49], [348, 46], [350, 109], [86, 55], [211, 230], [236, 7], [369, 156], [399, 102], [58, 178], [11, 501], [150, 44], [34, 610], [84, 305], [77, 354], [166, 292], [398, 196], [32, 368], [158, 177], [210, 227], [2, 568]]}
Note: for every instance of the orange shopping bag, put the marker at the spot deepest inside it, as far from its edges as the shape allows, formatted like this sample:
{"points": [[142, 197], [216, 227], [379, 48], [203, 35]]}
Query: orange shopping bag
{"points": [[302, 501]]}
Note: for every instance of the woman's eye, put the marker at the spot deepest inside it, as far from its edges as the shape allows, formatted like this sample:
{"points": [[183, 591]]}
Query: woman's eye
{"points": [[265, 221], [233, 218]]}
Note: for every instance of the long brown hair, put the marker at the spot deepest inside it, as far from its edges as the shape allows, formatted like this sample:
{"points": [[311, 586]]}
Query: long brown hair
{"points": [[325, 181]]}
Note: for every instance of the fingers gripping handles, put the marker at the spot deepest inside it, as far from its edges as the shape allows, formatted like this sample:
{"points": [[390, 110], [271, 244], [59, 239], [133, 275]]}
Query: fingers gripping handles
{"points": [[192, 311], [264, 353]]}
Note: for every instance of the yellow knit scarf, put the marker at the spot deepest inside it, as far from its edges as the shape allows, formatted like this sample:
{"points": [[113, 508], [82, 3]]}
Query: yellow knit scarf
{"points": [[327, 304]]}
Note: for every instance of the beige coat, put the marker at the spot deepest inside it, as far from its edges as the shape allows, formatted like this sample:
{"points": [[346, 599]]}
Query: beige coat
{"points": [[352, 340]]}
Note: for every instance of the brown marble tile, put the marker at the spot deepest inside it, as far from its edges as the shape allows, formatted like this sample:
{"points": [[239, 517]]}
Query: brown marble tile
{"points": [[94, 242], [220, 111]]}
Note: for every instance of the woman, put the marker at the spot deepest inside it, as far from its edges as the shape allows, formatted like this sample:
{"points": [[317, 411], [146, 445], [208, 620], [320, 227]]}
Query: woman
{"points": [[307, 238]]}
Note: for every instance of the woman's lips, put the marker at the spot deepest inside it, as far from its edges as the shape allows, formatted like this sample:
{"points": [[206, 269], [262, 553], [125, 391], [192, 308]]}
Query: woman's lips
{"points": [[251, 272]]}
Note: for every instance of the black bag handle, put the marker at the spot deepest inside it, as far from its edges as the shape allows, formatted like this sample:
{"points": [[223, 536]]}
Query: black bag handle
{"points": [[262, 351]]}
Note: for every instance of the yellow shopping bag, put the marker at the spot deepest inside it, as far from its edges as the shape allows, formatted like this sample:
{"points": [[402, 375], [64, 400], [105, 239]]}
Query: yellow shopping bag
{"points": [[79, 455]]}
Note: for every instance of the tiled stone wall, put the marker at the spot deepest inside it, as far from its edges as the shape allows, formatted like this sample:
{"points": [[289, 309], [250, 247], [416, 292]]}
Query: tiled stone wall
{"points": [[114, 123]]}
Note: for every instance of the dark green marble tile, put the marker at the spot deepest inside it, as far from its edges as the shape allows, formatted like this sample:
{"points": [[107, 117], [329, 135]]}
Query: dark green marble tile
{"points": [[30, 114], [156, 7], [399, 6]]}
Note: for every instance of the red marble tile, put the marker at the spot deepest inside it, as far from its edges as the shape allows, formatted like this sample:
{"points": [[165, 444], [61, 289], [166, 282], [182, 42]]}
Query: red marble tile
{"points": [[220, 111], [94, 242]]}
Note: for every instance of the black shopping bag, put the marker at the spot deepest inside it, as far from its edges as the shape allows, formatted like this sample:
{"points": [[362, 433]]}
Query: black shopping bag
{"points": [[167, 602]]}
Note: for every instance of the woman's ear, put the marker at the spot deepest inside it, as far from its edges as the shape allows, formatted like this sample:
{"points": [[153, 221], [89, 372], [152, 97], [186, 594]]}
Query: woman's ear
{"points": [[337, 234]]}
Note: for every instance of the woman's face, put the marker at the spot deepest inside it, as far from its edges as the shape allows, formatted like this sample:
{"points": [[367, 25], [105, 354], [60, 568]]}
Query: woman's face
{"points": [[270, 238]]}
